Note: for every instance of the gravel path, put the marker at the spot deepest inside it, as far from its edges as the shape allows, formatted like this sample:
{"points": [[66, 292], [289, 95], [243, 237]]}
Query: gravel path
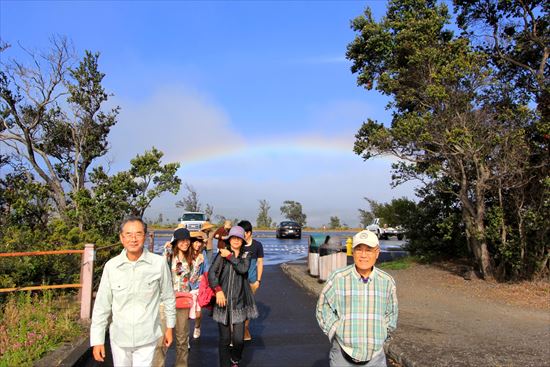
{"points": [[445, 320]]}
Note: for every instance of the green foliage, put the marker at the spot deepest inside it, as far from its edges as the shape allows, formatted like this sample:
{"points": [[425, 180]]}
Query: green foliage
{"points": [[395, 213], [461, 123], [399, 264], [519, 39], [365, 217], [23, 200], [434, 227], [111, 198], [44, 269], [58, 138], [334, 223], [152, 179], [33, 325], [292, 210], [107, 202]]}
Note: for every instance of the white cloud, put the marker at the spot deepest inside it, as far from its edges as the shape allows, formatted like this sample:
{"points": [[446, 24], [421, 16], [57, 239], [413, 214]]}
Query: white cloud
{"points": [[182, 123]]}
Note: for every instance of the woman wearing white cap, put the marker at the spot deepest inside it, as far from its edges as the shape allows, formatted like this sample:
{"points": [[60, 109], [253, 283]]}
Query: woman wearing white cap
{"points": [[228, 277]]}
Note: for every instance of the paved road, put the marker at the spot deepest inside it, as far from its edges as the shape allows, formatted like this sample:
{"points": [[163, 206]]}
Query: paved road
{"points": [[285, 334]]}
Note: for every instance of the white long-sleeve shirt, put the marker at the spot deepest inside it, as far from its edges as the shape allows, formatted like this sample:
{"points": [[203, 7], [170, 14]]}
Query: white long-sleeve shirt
{"points": [[131, 292]]}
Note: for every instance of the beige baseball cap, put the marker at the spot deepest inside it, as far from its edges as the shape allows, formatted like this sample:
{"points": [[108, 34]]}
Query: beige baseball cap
{"points": [[365, 237]]}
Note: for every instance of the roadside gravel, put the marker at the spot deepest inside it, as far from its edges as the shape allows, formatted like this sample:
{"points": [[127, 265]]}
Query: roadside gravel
{"points": [[445, 320]]}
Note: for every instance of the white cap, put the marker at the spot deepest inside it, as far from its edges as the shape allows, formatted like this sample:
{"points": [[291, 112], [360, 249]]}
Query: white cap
{"points": [[365, 237]]}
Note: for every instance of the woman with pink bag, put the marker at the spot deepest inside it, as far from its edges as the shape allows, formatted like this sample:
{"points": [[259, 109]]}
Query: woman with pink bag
{"points": [[184, 273]]}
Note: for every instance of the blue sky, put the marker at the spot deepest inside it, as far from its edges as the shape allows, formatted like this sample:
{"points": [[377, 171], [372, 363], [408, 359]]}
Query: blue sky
{"points": [[255, 99]]}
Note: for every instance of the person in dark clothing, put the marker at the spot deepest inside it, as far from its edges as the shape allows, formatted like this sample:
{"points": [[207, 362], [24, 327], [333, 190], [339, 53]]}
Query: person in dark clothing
{"points": [[256, 270], [221, 235], [228, 277]]}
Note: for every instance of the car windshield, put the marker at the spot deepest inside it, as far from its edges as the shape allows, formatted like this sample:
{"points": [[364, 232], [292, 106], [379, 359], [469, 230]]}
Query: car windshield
{"points": [[193, 216], [289, 224]]}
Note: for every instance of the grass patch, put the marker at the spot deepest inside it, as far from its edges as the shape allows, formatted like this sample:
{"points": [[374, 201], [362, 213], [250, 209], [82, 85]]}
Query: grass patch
{"points": [[399, 264], [33, 325]]}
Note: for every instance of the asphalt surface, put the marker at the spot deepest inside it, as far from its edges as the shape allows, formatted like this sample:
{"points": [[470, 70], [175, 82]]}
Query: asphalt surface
{"points": [[285, 334]]}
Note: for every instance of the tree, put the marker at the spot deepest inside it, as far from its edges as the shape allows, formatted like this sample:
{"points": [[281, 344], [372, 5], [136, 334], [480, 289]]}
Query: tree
{"points": [[263, 220], [394, 213], [191, 202], [111, 198], [434, 226], [24, 202], [209, 211], [518, 44], [292, 210], [445, 123], [59, 138], [152, 179], [365, 217], [334, 223]]}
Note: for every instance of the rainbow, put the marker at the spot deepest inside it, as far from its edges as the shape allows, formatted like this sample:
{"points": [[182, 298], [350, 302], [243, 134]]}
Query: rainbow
{"points": [[311, 146]]}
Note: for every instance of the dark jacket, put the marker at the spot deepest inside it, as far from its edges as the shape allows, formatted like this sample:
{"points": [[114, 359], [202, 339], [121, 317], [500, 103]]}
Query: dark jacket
{"points": [[231, 276]]}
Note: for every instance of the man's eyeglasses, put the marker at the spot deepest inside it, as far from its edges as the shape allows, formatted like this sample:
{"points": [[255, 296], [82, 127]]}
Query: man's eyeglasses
{"points": [[137, 235], [367, 251]]}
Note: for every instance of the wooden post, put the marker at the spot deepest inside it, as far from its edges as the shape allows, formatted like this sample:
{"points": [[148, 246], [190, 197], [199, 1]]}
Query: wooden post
{"points": [[151, 241], [86, 279]]}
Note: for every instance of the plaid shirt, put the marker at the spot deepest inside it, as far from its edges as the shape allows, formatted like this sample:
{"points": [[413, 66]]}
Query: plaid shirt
{"points": [[358, 314]]}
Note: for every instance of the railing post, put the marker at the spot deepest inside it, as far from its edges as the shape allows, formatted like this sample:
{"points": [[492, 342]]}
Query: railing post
{"points": [[151, 241], [86, 279]]}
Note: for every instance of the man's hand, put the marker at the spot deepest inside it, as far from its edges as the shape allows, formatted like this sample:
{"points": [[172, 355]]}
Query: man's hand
{"points": [[224, 252], [99, 352], [220, 299], [168, 337]]}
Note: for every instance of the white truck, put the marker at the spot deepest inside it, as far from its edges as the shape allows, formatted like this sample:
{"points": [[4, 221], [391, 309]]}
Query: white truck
{"points": [[192, 220], [384, 232]]}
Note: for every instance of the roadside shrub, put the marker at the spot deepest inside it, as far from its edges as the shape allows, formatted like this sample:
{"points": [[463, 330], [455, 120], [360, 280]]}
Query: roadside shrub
{"points": [[32, 325], [434, 228]]}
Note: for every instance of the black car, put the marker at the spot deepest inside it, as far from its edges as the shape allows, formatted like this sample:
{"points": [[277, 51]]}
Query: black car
{"points": [[289, 229]]}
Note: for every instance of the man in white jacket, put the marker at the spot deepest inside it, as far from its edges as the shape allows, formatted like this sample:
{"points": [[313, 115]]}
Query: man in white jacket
{"points": [[133, 285]]}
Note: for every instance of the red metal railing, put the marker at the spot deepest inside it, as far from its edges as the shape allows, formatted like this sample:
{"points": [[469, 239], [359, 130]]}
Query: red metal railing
{"points": [[86, 276]]}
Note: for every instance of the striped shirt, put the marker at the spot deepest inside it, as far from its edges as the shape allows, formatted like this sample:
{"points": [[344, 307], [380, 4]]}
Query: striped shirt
{"points": [[358, 314]]}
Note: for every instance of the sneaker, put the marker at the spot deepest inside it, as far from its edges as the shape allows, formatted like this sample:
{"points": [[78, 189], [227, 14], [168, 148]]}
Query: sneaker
{"points": [[188, 345], [197, 333], [234, 364]]}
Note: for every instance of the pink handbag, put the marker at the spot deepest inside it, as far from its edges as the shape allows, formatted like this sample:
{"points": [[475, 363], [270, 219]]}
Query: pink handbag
{"points": [[184, 300], [206, 294]]}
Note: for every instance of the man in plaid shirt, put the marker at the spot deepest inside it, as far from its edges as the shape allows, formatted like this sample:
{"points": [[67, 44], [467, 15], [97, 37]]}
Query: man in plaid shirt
{"points": [[358, 307]]}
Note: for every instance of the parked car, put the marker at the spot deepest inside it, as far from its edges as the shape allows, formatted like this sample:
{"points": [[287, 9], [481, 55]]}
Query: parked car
{"points": [[289, 229], [384, 232], [192, 220]]}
